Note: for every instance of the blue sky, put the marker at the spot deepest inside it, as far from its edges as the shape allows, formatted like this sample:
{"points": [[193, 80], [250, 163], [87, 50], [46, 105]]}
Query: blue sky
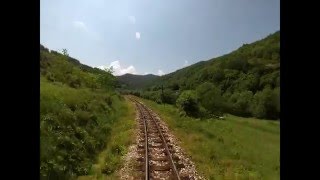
{"points": [[153, 36]]}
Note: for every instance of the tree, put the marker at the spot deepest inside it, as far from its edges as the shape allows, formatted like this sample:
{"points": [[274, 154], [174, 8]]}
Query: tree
{"points": [[217, 75], [247, 82], [106, 79], [270, 79], [210, 98], [266, 104], [188, 102], [174, 86], [42, 48], [240, 64], [276, 100], [65, 52], [109, 70], [241, 102], [168, 96]]}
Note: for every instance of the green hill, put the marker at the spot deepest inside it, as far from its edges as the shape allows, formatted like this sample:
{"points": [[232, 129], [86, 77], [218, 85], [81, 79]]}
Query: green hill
{"points": [[259, 57], [245, 82], [131, 81]]}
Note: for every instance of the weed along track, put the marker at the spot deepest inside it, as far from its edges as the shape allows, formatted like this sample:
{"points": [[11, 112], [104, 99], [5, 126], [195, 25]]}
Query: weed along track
{"points": [[157, 156]]}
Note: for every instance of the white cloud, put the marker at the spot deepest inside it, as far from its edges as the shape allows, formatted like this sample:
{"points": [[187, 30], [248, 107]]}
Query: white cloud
{"points": [[186, 63], [132, 19], [137, 35], [118, 70], [79, 25], [160, 72]]}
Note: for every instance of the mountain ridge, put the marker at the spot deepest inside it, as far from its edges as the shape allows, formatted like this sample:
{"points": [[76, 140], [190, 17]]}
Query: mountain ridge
{"points": [[245, 82], [135, 81]]}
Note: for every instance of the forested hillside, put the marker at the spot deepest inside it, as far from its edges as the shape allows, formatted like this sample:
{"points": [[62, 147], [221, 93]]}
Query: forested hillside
{"points": [[78, 105], [132, 81], [245, 82]]}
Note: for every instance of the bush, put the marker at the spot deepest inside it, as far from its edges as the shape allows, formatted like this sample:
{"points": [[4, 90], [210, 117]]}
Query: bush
{"points": [[210, 98], [73, 129], [241, 102], [188, 102], [169, 96], [266, 104], [83, 117]]}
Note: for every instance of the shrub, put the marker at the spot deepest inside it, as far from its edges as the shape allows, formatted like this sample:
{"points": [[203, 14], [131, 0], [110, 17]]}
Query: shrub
{"points": [[266, 104], [188, 102], [83, 117], [210, 98], [72, 130], [169, 96]]}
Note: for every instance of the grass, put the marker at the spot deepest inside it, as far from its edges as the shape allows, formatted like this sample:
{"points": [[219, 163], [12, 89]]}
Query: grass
{"points": [[234, 148], [122, 136]]}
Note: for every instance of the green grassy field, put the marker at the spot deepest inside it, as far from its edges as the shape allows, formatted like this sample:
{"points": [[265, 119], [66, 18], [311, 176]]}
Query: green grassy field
{"points": [[122, 136], [233, 148]]}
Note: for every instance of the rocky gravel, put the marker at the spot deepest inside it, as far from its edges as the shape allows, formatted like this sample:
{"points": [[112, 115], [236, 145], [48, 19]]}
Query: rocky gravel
{"points": [[186, 168]]}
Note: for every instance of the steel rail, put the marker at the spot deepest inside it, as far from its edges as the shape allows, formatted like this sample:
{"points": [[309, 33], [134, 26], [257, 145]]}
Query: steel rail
{"points": [[173, 167]]}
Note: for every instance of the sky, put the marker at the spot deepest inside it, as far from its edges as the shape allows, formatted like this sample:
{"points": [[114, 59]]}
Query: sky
{"points": [[153, 36]]}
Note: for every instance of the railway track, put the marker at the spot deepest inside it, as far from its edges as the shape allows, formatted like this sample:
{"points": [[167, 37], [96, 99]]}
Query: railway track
{"points": [[157, 159]]}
